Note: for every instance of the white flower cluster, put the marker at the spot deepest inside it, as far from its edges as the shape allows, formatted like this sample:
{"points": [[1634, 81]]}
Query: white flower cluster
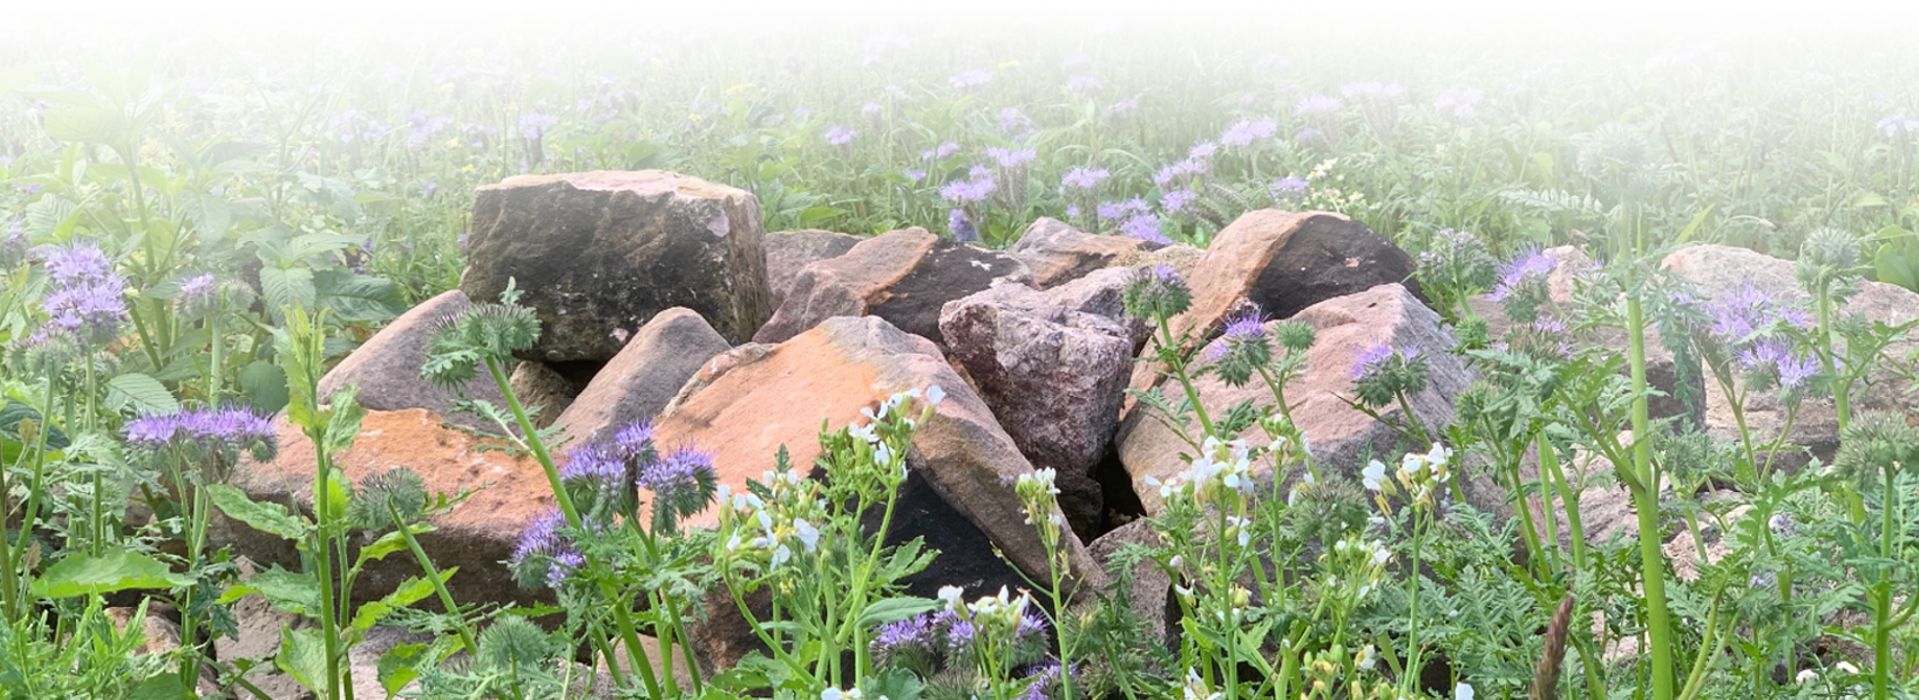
{"points": [[1421, 475], [1222, 466], [1359, 560], [1036, 492], [1002, 609], [783, 526]]}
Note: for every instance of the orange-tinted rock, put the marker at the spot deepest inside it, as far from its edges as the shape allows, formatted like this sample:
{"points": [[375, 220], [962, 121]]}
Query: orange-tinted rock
{"points": [[646, 374], [751, 401], [476, 536], [1340, 436], [788, 252], [1283, 262], [599, 253]]}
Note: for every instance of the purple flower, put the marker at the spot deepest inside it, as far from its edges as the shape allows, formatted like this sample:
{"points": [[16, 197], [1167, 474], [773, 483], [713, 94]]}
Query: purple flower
{"points": [[970, 79], [1011, 159], [677, 474], [1459, 102], [1317, 104], [1289, 188], [197, 295], [1122, 209], [217, 429], [91, 311], [544, 552], [962, 227], [1311, 134], [975, 188], [1083, 179], [904, 638], [1176, 201], [1774, 355], [79, 263], [1144, 227], [1014, 122], [562, 566], [959, 634], [423, 127], [1379, 353], [1532, 266], [1737, 316], [1202, 151], [1898, 125], [1119, 109], [1187, 168], [871, 110], [1246, 132], [1084, 84], [839, 135], [1031, 624], [914, 174], [635, 440], [595, 465], [940, 152]]}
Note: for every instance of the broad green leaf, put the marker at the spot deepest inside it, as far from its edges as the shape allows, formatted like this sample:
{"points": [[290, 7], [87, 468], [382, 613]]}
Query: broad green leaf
{"points": [[292, 592], [399, 666], [165, 686], [270, 518], [410, 591], [265, 385], [20, 423], [142, 393], [895, 609], [83, 123], [115, 570], [387, 544], [343, 425], [287, 287], [338, 495], [302, 656]]}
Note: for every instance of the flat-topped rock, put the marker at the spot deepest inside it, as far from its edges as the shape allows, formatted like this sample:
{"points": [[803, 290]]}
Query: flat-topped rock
{"points": [[596, 254], [902, 276]]}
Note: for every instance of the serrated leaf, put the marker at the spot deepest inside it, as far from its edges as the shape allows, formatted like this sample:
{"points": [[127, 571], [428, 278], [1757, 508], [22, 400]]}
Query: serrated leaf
{"points": [[115, 570], [265, 385], [83, 123], [387, 544], [410, 591], [302, 656], [270, 518], [288, 591], [343, 421], [285, 287], [142, 393], [399, 666]]}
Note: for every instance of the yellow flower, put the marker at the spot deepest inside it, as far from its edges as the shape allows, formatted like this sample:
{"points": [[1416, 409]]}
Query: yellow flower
{"points": [[468, 168], [738, 88], [453, 142]]}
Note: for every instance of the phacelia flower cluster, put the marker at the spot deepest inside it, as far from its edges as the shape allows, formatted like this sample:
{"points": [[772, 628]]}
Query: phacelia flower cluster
{"points": [[87, 298], [209, 433]]}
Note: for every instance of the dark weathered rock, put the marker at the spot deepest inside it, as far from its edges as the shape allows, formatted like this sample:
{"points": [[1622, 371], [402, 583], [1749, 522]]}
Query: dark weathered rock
{"points": [[902, 276], [386, 368], [1340, 435], [787, 252], [1056, 252], [477, 536], [599, 253], [1283, 262], [1053, 375], [645, 375]]}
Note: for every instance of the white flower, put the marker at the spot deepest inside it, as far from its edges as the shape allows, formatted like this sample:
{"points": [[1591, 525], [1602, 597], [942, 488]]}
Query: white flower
{"points": [[1463, 691], [809, 535], [865, 432], [952, 595], [934, 395], [1806, 676], [1374, 475], [1044, 477], [837, 694], [1367, 658], [781, 554], [1846, 667]]}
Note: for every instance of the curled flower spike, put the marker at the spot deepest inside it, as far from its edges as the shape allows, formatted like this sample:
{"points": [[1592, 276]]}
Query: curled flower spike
{"points": [[219, 430], [1156, 292]]}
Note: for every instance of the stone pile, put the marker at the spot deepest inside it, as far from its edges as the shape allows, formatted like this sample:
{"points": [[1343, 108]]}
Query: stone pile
{"points": [[663, 300]]}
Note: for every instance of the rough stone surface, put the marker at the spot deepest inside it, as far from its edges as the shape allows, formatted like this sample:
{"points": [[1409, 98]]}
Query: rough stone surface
{"points": [[644, 376], [476, 536], [601, 252], [902, 276], [1056, 252], [1715, 270], [1150, 591], [787, 252], [1053, 375], [537, 385], [1283, 262], [747, 403], [1340, 435], [386, 367]]}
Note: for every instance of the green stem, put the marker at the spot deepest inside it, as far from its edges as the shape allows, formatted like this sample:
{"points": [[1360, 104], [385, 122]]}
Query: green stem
{"points": [[1882, 660], [462, 626], [1645, 494], [1178, 368]]}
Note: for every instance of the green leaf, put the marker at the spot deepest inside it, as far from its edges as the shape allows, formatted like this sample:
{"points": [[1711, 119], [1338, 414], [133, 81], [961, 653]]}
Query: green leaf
{"points": [[895, 609], [265, 385], [410, 591], [387, 544], [84, 123], [343, 423], [115, 570], [142, 393], [399, 666], [287, 287], [165, 686], [338, 495], [15, 413], [296, 593], [357, 298], [270, 518], [303, 657]]}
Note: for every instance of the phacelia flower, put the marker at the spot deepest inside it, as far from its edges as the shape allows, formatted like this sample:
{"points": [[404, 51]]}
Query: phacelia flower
{"points": [[1176, 201], [976, 188], [940, 152], [1156, 291], [1012, 158], [215, 428], [1289, 189], [1247, 132], [1458, 102], [1530, 268], [1144, 227], [839, 135], [78, 264], [1083, 179], [197, 296], [544, 554], [1317, 105], [967, 79], [961, 225]]}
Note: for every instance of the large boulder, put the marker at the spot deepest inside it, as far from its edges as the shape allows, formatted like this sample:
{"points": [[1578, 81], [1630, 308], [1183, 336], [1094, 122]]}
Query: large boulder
{"points": [[1341, 437], [788, 252], [1053, 374], [646, 374], [1716, 270], [1056, 252], [1282, 262], [749, 402], [386, 367], [477, 535], [596, 254], [902, 276]]}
